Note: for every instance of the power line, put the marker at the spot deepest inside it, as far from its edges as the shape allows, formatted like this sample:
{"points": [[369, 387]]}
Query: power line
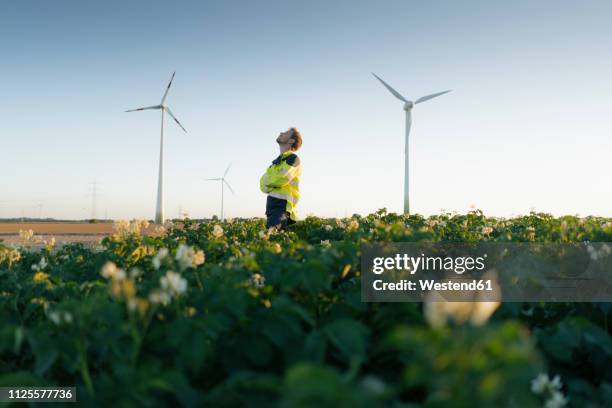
{"points": [[94, 198]]}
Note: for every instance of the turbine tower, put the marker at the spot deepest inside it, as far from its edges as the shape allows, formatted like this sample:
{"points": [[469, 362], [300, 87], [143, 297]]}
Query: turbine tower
{"points": [[408, 105], [159, 209], [223, 182]]}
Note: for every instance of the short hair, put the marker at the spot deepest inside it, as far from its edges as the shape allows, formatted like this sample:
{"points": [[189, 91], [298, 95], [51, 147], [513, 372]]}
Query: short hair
{"points": [[297, 139]]}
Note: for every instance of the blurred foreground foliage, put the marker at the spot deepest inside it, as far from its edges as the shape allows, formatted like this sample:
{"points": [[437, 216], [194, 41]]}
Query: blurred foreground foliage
{"points": [[276, 320]]}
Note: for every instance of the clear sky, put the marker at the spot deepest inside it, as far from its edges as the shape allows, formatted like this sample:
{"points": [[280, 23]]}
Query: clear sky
{"points": [[528, 125]]}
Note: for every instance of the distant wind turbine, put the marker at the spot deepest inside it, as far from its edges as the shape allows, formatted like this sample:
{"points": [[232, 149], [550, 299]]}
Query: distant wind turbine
{"points": [[223, 183], [408, 105], [159, 209]]}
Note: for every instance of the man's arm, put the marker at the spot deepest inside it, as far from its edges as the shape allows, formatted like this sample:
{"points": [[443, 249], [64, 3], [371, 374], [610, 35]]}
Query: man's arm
{"points": [[280, 175]]}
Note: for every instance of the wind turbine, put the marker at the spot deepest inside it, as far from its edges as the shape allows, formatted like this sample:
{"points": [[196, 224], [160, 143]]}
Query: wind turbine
{"points": [[223, 183], [408, 105], [159, 209]]}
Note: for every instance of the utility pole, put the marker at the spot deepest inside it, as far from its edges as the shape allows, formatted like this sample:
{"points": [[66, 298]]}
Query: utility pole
{"points": [[39, 208], [94, 198]]}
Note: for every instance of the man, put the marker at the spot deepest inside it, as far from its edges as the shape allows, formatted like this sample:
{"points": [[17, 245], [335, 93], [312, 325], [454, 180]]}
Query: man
{"points": [[281, 181]]}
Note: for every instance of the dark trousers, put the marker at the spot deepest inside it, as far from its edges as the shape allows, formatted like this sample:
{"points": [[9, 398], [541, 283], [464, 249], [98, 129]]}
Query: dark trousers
{"points": [[276, 211]]}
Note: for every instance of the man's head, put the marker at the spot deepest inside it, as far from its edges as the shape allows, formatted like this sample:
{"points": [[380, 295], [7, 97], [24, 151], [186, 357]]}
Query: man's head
{"points": [[289, 140]]}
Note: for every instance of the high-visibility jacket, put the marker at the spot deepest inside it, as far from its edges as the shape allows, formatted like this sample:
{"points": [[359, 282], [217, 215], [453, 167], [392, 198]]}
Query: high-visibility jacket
{"points": [[282, 180]]}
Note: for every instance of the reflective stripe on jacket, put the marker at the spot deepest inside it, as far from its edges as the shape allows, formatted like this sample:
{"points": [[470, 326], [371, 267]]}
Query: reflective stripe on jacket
{"points": [[282, 180]]}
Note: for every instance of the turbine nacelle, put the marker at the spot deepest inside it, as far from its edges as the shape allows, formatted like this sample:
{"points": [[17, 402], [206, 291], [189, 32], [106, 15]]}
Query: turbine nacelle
{"points": [[162, 105], [408, 105]]}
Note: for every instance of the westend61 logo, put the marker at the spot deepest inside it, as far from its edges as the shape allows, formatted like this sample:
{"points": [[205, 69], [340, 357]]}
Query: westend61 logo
{"points": [[413, 264], [486, 271]]}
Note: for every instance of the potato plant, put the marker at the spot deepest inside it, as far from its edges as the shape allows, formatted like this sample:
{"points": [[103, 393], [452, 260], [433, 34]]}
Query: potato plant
{"points": [[206, 313]]}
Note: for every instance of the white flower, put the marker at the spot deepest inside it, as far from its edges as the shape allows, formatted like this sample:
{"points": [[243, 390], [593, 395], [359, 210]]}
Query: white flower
{"points": [[173, 283], [136, 226], [438, 311], [189, 257], [184, 253], [258, 280], [328, 228], [435, 314], [132, 304], [487, 230], [353, 225], [135, 273], [482, 311], [556, 400], [14, 256], [110, 271], [121, 227], [198, 258], [543, 384], [54, 317], [431, 223], [26, 235], [41, 265], [159, 297], [555, 384], [217, 231], [539, 384], [596, 254], [50, 244], [124, 228], [325, 243], [159, 257], [59, 317], [120, 275]]}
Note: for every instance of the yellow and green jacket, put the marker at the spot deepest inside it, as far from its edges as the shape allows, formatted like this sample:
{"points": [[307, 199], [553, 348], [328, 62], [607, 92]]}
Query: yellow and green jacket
{"points": [[282, 180]]}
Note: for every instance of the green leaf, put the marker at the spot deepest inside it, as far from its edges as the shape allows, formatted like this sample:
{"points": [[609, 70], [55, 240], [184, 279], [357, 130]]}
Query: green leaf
{"points": [[349, 336], [561, 340], [315, 346], [310, 385], [21, 379]]}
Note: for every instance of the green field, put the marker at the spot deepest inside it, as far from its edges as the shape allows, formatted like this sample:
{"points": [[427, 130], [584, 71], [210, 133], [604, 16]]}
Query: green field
{"points": [[231, 315]]}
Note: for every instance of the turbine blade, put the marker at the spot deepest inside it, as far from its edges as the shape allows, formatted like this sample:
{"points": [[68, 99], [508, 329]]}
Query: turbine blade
{"points": [[226, 170], [428, 97], [167, 89], [145, 108], [393, 91], [175, 119], [228, 186], [217, 179]]}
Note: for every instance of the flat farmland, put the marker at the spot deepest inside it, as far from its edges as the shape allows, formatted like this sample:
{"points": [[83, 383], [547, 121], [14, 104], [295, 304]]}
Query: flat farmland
{"points": [[63, 232]]}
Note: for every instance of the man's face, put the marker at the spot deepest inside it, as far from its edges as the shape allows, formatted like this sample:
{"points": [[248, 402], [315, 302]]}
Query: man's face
{"points": [[285, 137]]}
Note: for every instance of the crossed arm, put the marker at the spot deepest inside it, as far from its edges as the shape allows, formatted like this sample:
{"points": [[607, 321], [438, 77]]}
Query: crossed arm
{"points": [[278, 176]]}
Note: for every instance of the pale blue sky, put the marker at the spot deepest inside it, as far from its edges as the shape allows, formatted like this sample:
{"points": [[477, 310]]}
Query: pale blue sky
{"points": [[528, 125]]}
